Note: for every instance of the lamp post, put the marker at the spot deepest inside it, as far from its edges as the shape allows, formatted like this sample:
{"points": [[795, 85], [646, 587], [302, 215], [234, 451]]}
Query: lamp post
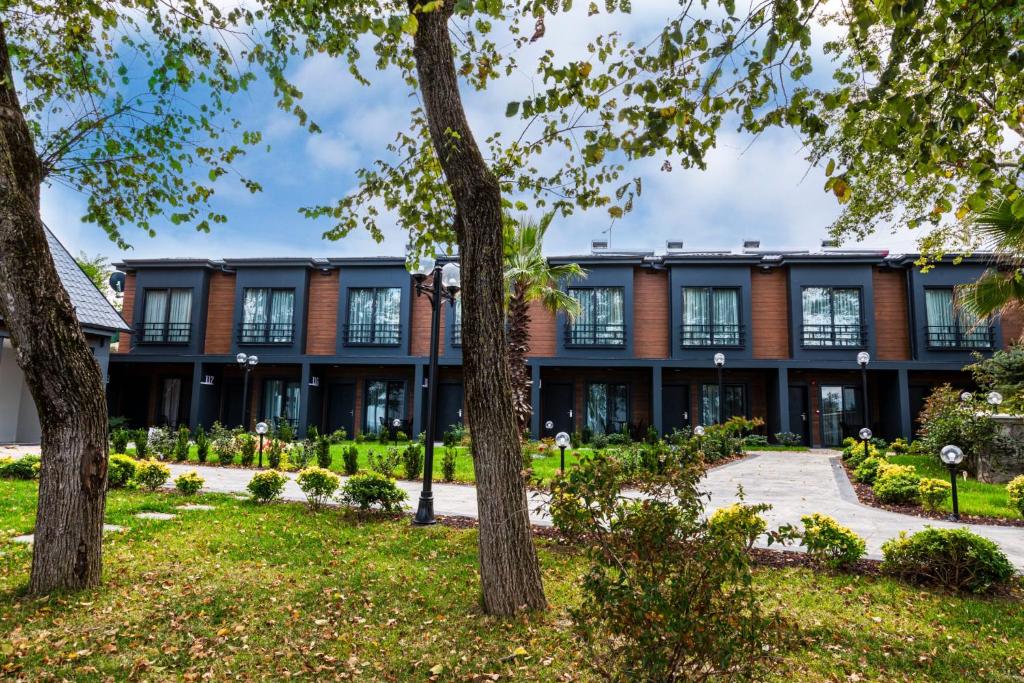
{"points": [[865, 436], [720, 365], [439, 284], [698, 431], [246, 363], [863, 358], [952, 456], [562, 441], [261, 429]]}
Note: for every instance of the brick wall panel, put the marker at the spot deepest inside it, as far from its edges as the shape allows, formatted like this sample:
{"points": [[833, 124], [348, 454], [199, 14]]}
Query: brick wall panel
{"points": [[127, 312], [322, 318], [419, 329], [892, 320], [220, 310], [769, 313], [1013, 326], [650, 313], [543, 333]]}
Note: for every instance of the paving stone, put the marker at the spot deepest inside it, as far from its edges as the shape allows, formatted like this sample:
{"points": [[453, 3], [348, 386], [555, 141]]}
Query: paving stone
{"points": [[161, 516], [195, 506]]}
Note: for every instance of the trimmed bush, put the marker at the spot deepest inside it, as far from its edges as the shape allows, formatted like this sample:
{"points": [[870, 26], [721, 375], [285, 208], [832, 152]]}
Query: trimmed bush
{"points": [[119, 439], [247, 449], [202, 444], [274, 449], [151, 475], [338, 436], [412, 461], [867, 470], [933, 492], [350, 460], [161, 443], [285, 431], [386, 462], [223, 443], [789, 439], [189, 484], [755, 441], [1015, 491], [897, 484], [900, 446], [141, 439], [956, 559], [372, 489], [856, 454], [830, 544], [323, 452], [600, 442], [448, 464], [181, 445], [745, 521], [267, 486], [26, 467], [318, 484], [120, 471]]}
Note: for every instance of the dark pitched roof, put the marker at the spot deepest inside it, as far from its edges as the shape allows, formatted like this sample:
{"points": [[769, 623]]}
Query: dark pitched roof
{"points": [[91, 307]]}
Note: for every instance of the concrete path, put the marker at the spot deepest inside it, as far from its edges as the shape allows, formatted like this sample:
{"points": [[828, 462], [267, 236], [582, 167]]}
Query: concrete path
{"points": [[795, 484]]}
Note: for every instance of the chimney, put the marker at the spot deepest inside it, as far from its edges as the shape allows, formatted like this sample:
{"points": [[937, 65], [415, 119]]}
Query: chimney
{"points": [[830, 244], [674, 245], [751, 244], [598, 246]]}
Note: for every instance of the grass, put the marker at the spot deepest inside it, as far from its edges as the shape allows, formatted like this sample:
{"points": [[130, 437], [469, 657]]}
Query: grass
{"points": [[975, 497], [268, 592]]}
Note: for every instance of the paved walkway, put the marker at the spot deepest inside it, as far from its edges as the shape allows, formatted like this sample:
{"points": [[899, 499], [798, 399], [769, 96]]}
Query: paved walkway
{"points": [[795, 484]]}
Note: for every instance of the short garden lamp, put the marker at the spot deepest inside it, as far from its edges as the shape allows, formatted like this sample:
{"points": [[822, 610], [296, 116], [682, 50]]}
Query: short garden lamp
{"points": [[952, 456], [262, 428], [698, 431], [865, 436], [562, 440], [994, 398], [396, 424], [967, 397]]}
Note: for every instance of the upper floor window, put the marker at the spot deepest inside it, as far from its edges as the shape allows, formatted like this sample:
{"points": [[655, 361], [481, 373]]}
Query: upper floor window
{"points": [[457, 323], [711, 317], [374, 316], [953, 328], [167, 316], [601, 321], [267, 316], [832, 317]]}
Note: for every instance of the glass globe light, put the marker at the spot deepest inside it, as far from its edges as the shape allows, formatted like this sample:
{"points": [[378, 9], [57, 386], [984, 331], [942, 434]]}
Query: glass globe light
{"points": [[562, 440], [865, 433], [994, 398], [966, 397], [719, 359], [863, 358], [951, 455], [451, 277], [253, 360], [262, 428], [698, 430], [241, 358]]}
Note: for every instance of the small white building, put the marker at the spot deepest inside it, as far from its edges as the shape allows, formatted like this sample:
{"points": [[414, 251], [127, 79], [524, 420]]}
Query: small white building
{"points": [[19, 422]]}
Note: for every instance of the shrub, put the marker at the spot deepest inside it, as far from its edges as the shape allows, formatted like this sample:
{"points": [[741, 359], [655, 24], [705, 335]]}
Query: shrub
{"points": [[162, 443], [302, 453], [953, 558], [600, 442], [26, 467], [202, 444], [385, 462], [350, 460], [900, 446], [897, 484], [933, 493], [189, 484], [401, 436], [789, 439], [725, 440], [881, 444], [360, 438], [120, 471], [867, 470], [372, 489], [1015, 491], [223, 443], [181, 444], [323, 452], [661, 580], [652, 435], [755, 441], [119, 439], [1003, 371], [448, 464], [247, 449], [285, 431], [151, 475], [412, 461], [141, 439], [619, 439], [312, 433], [318, 484], [454, 434], [745, 521], [338, 435], [857, 455], [829, 544], [267, 486], [947, 419], [275, 449]]}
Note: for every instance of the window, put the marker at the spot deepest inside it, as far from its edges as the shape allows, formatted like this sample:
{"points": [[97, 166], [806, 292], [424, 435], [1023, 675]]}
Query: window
{"points": [[170, 402], [374, 316], [281, 402], [385, 402], [457, 323], [950, 328], [840, 413], [735, 402], [832, 318], [167, 316], [267, 316], [711, 316], [607, 408], [601, 321]]}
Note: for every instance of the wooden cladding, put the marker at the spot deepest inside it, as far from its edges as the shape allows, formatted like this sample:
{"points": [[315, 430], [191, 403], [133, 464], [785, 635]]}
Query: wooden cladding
{"points": [[420, 327], [543, 333], [651, 313], [892, 326], [769, 313], [322, 318], [127, 312], [1012, 322], [220, 312]]}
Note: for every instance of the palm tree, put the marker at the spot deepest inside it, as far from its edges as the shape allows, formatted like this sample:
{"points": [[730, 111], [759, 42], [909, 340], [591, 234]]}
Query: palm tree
{"points": [[999, 288], [530, 277]]}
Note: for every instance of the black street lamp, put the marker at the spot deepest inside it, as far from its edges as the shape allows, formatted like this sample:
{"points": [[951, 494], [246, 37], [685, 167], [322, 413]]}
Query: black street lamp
{"points": [[562, 440], [952, 456], [246, 363], [261, 429], [720, 364], [439, 284], [863, 358]]}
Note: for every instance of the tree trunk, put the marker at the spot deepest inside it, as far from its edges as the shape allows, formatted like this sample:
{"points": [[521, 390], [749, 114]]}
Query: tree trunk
{"points": [[509, 570], [60, 370], [518, 346]]}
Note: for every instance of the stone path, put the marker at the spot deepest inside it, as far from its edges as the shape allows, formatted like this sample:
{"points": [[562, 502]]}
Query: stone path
{"points": [[29, 538], [795, 484]]}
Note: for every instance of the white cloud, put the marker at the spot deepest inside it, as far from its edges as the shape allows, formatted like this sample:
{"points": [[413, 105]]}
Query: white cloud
{"points": [[328, 151]]}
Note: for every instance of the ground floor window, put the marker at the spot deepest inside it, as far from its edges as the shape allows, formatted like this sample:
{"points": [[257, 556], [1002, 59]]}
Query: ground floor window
{"points": [[281, 401], [385, 401], [735, 402], [607, 408], [840, 413], [170, 402]]}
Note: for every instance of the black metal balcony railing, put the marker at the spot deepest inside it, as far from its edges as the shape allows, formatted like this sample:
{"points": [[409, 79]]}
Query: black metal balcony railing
{"points": [[834, 336], [691, 336], [960, 338], [265, 333], [457, 334], [373, 334], [608, 335], [164, 333]]}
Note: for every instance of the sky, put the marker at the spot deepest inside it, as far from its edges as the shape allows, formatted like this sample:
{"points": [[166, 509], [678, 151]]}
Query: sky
{"points": [[752, 189]]}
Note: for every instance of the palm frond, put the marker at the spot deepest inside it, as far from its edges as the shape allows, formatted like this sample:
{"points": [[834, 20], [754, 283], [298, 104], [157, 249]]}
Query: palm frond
{"points": [[991, 293], [1001, 231]]}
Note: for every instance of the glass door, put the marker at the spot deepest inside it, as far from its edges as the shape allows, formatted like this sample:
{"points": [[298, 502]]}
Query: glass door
{"points": [[840, 413]]}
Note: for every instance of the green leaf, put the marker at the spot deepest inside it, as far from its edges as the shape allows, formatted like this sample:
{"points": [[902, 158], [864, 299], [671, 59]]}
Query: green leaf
{"points": [[410, 25], [1017, 208], [831, 167], [512, 109]]}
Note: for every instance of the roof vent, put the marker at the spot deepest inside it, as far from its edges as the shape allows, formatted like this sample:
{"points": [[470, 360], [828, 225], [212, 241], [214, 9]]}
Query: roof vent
{"points": [[830, 244], [674, 245], [751, 244], [598, 245]]}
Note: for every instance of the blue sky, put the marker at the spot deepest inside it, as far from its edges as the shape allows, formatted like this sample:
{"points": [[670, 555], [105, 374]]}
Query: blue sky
{"points": [[764, 190]]}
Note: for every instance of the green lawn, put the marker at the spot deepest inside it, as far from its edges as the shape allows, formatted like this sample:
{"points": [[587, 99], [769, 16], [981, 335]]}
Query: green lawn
{"points": [[268, 592], [975, 497]]}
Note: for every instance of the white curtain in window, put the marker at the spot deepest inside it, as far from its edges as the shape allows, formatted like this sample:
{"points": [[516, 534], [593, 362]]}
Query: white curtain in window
{"points": [[376, 405], [170, 402], [254, 307], [282, 305], [938, 305], [389, 304], [847, 315], [597, 408], [290, 409], [155, 315], [360, 315], [181, 315], [273, 397], [696, 316], [609, 315], [726, 316]]}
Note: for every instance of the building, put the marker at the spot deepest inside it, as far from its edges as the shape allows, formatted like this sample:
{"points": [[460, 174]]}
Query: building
{"points": [[343, 342], [19, 422]]}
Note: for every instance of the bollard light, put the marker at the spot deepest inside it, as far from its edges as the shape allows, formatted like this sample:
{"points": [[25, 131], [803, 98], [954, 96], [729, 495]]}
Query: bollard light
{"points": [[562, 440], [262, 428], [952, 456]]}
